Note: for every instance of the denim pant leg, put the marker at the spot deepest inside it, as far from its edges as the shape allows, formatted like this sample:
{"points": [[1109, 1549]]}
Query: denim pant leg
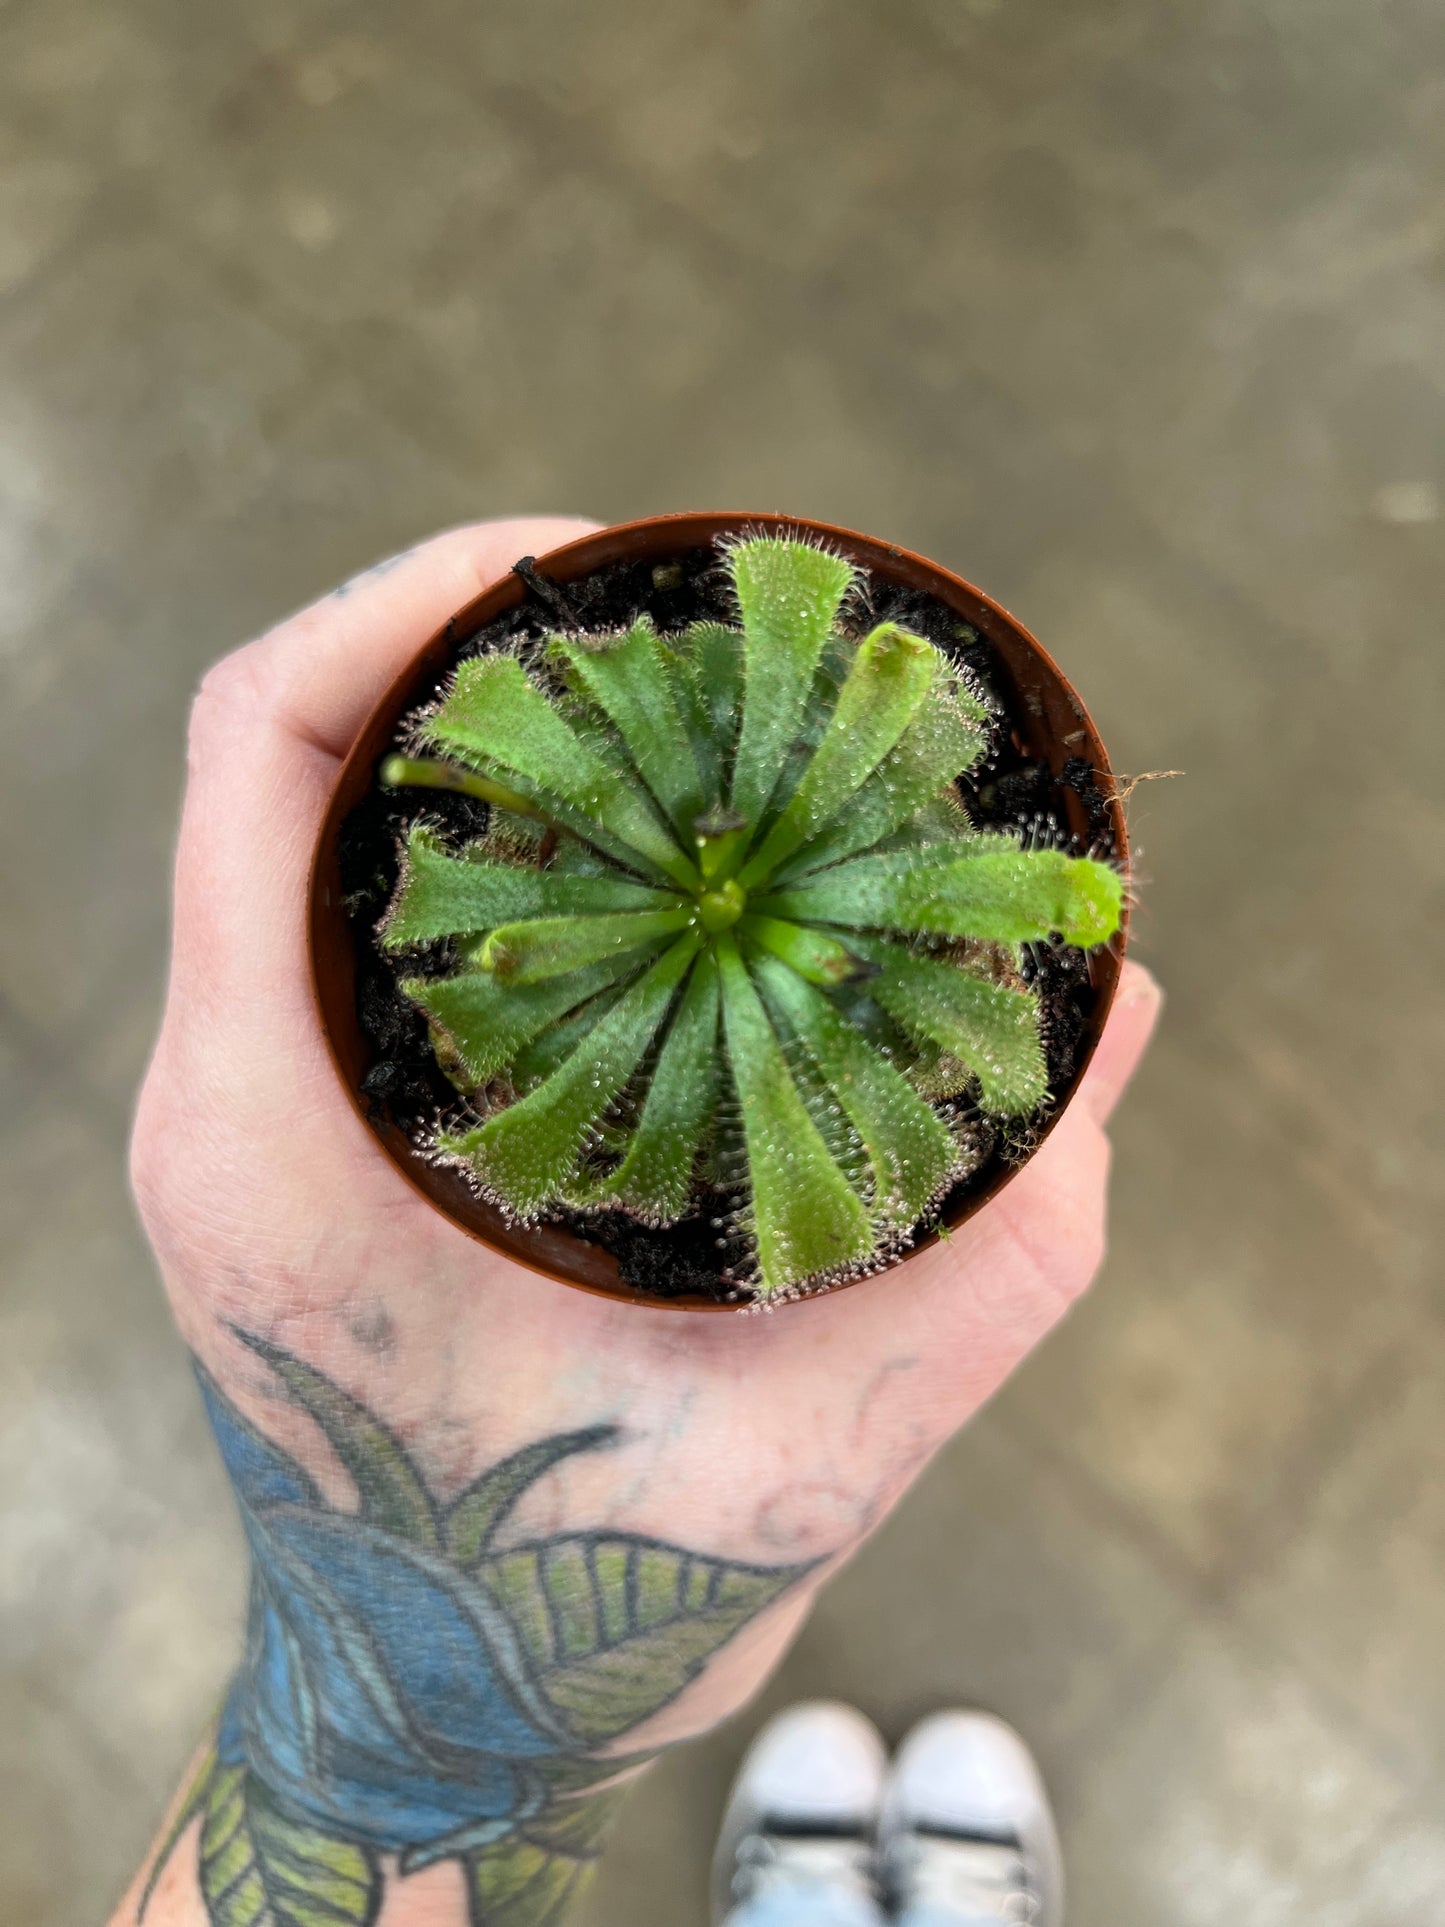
{"points": [[807, 1907]]}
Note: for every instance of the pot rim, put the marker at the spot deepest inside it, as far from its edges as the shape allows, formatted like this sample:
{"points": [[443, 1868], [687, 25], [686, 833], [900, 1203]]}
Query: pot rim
{"points": [[555, 1251]]}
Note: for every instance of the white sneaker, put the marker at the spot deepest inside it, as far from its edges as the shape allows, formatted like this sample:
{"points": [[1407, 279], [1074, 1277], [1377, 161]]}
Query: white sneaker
{"points": [[803, 1812], [966, 1835]]}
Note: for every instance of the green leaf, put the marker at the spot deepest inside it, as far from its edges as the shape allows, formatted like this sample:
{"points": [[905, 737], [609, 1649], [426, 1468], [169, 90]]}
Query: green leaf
{"points": [[808, 1220], [574, 858], [261, 1868], [524, 1154], [411, 772], [549, 1051], [532, 1878], [890, 676], [192, 1801], [530, 953], [942, 819], [943, 740], [913, 1155], [990, 1027], [470, 1522], [654, 1180], [845, 1147], [392, 1494], [616, 1625], [811, 953], [441, 895], [828, 679], [487, 1022], [936, 1074], [543, 811], [789, 594], [496, 717], [834, 761], [626, 677], [709, 682], [995, 892], [930, 1070]]}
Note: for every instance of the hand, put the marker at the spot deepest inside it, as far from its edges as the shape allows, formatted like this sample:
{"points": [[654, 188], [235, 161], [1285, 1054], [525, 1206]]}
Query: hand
{"points": [[409, 1687]]}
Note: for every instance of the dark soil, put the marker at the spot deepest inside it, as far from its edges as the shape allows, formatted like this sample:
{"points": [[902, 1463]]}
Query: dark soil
{"points": [[1007, 790]]}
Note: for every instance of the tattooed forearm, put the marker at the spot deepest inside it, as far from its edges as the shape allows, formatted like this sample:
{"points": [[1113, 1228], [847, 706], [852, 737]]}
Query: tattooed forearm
{"points": [[419, 1683]]}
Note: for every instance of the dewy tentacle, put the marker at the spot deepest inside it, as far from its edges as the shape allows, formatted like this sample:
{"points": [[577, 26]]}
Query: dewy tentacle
{"points": [[789, 595], [945, 738], [996, 892], [624, 676], [767, 806], [655, 1177], [441, 895], [487, 1022], [888, 681], [809, 1221], [526, 1152], [530, 953], [497, 716]]}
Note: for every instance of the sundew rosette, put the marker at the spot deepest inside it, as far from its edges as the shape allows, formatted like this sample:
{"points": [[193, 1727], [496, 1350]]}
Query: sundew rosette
{"points": [[730, 928]]}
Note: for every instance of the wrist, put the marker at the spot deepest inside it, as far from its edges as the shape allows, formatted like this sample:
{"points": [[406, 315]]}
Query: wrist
{"points": [[426, 1682]]}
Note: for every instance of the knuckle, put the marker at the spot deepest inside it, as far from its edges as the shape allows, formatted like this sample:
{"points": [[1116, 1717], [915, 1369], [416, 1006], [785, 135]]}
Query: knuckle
{"points": [[234, 691], [1055, 1220], [1081, 1258], [1081, 1250], [147, 1164], [1085, 1263]]}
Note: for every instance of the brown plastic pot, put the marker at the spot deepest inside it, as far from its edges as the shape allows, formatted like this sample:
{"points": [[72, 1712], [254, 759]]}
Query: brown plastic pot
{"points": [[1052, 725]]}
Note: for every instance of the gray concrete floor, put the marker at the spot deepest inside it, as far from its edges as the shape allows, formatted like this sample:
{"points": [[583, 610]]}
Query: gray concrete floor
{"points": [[1129, 310]]}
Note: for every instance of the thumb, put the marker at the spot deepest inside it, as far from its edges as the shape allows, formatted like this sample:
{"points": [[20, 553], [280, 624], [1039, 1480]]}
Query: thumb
{"points": [[1126, 1037]]}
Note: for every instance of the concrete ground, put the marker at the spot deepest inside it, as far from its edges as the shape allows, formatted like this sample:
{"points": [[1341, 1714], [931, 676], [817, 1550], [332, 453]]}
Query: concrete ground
{"points": [[1130, 311]]}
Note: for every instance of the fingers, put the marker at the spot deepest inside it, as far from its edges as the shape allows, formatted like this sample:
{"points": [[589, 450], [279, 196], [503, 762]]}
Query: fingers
{"points": [[977, 1304], [1126, 1037], [332, 661], [1031, 1252]]}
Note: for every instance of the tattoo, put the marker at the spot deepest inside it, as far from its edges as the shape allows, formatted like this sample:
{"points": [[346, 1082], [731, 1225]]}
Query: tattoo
{"points": [[371, 573], [416, 1684]]}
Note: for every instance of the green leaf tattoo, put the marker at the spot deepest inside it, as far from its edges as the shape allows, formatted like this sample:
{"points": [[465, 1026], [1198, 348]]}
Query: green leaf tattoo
{"points": [[392, 1493], [260, 1868], [419, 1682], [473, 1518], [532, 1879], [616, 1626]]}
